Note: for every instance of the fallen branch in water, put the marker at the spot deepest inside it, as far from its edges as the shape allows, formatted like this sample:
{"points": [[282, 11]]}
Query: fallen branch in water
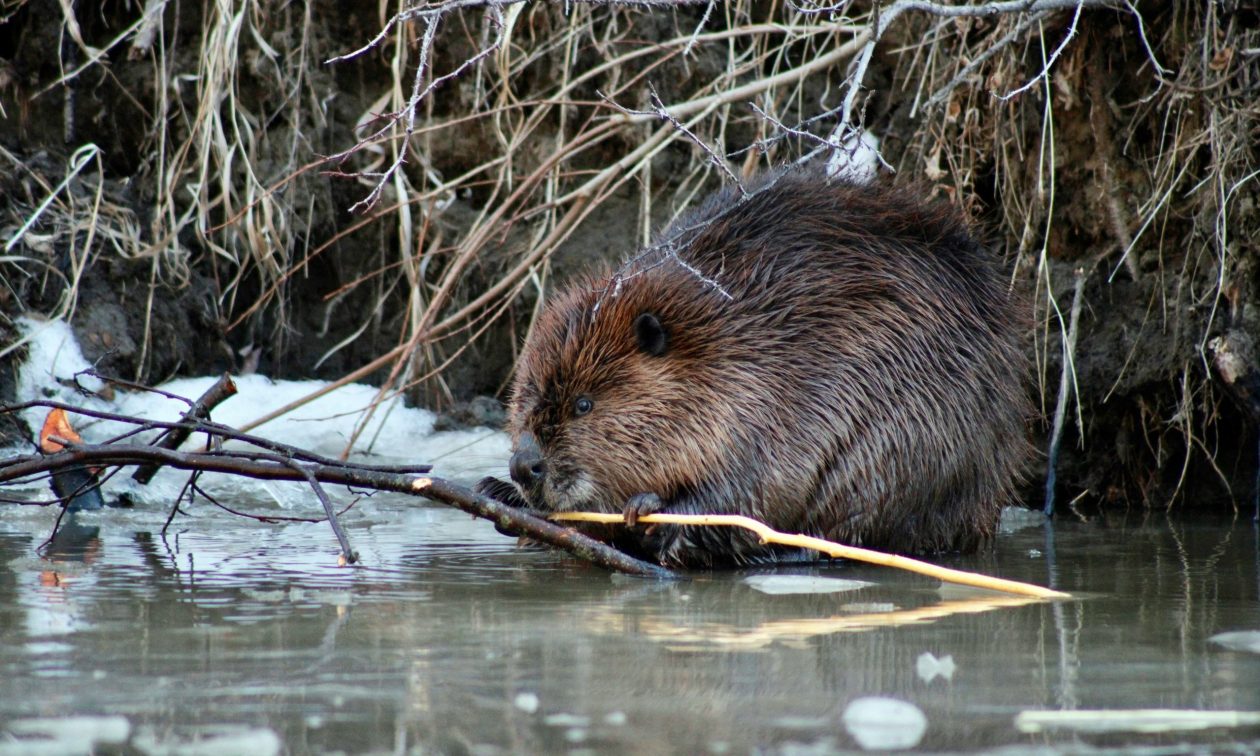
{"points": [[200, 410], [830, 548], [270, 460]]}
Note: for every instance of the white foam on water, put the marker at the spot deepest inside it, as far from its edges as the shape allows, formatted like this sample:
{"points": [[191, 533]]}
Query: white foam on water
{"points": [[1238, 640], [929, 667]]}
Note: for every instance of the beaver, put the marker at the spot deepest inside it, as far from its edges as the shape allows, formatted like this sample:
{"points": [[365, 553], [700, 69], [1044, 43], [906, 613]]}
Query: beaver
{"points": [[832, 359]]}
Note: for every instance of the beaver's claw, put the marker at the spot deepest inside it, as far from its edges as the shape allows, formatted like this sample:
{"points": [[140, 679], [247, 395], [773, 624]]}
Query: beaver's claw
{"points": [[639, 505]]}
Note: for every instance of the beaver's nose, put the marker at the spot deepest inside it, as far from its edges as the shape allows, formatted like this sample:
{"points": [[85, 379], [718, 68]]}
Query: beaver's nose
{"points": [[527, 466]]}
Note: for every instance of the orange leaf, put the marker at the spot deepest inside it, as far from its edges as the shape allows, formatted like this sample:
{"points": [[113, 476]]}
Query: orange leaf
{"points": [[57, 424]]}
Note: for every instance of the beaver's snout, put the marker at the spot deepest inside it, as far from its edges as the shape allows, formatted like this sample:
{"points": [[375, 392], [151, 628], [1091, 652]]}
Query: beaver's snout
{"points": [[527, 466]]}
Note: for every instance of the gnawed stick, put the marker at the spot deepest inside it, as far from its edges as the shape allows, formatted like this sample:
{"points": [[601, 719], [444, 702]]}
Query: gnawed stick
{"points": [[348, 555], [200, 410], [830, 548], [512, 518], [264, 465]]}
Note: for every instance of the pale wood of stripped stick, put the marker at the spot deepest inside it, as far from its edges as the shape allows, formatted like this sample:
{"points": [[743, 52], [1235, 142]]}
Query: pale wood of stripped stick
{"points": [[830, 548]]}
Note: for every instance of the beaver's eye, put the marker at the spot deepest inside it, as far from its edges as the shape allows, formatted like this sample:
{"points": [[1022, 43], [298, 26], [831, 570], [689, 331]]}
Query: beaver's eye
{"points": [[583, 405]]}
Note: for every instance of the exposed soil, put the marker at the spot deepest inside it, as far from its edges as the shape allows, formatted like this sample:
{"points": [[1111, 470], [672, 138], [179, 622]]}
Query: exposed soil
{"points": [[154, 298]]}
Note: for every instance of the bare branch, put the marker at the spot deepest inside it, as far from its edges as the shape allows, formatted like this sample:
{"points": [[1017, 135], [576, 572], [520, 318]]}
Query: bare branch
{"points": [[885, 17], [267, 468], [1054, 56], [347, 554], [282, 462], [704, 21], [200, 410], [943, 93], [661, 112]]}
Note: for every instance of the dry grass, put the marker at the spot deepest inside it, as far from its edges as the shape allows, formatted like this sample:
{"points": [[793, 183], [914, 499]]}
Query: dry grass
{"points": [[1116, 136], [1137, 160]]}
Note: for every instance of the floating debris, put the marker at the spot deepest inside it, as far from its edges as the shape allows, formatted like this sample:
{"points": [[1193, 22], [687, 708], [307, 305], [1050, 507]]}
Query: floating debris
{"points": [[884, 724], [1133, 720], [929, 667], [63, 734], [787, 584], [1240, 640]]}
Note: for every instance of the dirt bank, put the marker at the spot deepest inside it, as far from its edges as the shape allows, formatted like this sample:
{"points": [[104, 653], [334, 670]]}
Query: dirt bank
{"points": [[166, 185]]}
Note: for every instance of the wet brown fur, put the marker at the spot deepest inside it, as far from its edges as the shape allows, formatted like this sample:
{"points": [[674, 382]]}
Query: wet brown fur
{"points": [[862, 383]]}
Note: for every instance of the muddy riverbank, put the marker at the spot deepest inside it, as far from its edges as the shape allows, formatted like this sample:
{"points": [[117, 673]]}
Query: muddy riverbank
{"points": [[167, 188]]}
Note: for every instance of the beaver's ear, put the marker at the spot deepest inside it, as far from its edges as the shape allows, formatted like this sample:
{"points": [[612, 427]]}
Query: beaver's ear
{"points": [[651, 335]]}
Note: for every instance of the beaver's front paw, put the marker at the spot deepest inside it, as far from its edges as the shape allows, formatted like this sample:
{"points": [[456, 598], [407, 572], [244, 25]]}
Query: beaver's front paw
{"points": [[501, 491], [504, 493], [639, 505]]}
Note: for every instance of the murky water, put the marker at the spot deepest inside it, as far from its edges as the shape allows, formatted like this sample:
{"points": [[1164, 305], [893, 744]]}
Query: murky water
{"points": [[235, 636]]}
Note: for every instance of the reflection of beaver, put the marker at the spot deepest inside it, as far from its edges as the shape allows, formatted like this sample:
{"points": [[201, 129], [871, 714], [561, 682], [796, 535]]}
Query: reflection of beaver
{"points": [[830, 359]]}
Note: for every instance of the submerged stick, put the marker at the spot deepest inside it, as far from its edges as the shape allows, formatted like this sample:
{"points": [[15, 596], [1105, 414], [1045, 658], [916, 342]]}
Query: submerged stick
{"points": [[830, 548]]}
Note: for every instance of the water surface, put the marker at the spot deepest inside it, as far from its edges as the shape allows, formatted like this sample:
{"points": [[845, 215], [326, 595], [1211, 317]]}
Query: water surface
{"points": [[230, 635]]}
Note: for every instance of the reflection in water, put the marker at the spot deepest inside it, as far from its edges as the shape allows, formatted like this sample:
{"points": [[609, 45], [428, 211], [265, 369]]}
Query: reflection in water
{"points": [[74, 542], [722, 636], [451, 639]]}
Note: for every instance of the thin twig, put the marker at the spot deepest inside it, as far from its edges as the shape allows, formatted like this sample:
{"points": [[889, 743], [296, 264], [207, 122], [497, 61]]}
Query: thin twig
{"points": [[1054, 56], [661, 112], [1067, 385], [347, 554]]}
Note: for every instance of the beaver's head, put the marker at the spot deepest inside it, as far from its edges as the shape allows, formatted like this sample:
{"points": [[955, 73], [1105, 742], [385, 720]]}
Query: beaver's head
{"points": [[619, 392]]}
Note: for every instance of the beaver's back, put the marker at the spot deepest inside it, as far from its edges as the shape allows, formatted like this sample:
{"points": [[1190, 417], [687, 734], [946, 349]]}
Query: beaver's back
{"points": [[842, 360]]}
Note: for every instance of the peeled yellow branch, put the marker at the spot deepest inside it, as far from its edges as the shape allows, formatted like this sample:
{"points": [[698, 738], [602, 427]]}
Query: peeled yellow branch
{"points": [[829, 548]]}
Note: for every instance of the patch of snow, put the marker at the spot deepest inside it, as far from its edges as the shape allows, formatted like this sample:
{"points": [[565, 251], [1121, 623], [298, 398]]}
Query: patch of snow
{"points": [[526, 702], [209, 740], [64, 735], [857, 160], [1132, 720], [394, 434]]}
